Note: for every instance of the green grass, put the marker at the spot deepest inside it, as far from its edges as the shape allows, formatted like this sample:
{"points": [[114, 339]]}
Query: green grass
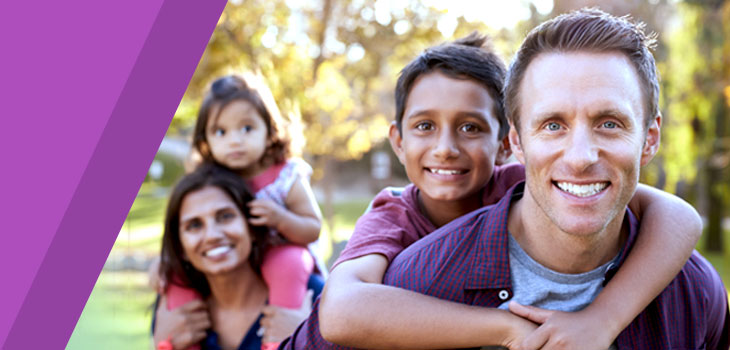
{"points": [[117, 314]]}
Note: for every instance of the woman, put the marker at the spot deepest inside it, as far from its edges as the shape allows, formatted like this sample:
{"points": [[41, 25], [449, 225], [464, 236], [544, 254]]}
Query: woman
{"points": [[208, 245]]}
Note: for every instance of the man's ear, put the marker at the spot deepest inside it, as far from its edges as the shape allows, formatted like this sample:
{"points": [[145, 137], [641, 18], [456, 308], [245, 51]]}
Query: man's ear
{"points": [[396, 142], [514, 141], [653, 138], [504, 151]]}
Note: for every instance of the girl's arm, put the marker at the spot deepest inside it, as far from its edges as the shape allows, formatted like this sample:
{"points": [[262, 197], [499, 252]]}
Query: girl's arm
{"points": [[357, 310], [667, 236], [299, 222]]}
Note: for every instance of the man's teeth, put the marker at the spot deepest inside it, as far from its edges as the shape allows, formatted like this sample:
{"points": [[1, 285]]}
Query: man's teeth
{"points": [[218, 250], [446, 171], [582, 190]]}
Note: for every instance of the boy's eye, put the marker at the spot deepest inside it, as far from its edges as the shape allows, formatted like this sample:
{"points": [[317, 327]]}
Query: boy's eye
{"points": [[610, 125], [552, 126], [219, 132], [469, 128], [424, 126]]}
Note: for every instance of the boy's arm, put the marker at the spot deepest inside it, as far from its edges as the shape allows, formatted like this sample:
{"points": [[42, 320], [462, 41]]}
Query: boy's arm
{"points": [[668, 233], [357, 310], [299, 222]]}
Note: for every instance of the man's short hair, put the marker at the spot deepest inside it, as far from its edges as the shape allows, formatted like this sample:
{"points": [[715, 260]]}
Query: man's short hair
{"points": [[470, 58], [589, 30]]}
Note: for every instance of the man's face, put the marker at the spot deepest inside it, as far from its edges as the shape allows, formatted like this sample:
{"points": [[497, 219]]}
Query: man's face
{"points": [[582, 138], [449, 142]]}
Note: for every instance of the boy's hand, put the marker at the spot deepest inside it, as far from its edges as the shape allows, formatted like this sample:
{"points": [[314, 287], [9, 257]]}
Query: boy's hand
{"points": [[184, 326], [563, 330], [279, 323], [265, 212], [519, 330]]}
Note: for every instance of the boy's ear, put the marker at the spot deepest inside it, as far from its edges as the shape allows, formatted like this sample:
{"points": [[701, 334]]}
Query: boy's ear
{"points": [[514, 140], [503, 152], [396, 142]]}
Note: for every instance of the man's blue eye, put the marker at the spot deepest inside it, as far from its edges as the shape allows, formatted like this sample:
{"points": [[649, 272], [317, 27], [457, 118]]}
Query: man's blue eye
{"points": [[553, 126], [609, 125]]}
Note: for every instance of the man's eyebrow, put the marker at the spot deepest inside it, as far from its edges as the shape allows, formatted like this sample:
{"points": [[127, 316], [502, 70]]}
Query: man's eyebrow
{"points": [[542, 117]]}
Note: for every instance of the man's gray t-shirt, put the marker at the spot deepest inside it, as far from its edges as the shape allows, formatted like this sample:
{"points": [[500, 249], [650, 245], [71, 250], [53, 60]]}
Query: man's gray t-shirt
{"points": [[536, 285]]}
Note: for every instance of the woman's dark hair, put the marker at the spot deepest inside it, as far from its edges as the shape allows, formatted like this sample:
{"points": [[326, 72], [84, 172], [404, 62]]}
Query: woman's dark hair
{"points": [[173, 266], [232, 88]]}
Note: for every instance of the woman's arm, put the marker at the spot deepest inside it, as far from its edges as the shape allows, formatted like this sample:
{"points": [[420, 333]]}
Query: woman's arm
{"points": [[668, 233], [300, 222], [184, 326], [357, 310]]}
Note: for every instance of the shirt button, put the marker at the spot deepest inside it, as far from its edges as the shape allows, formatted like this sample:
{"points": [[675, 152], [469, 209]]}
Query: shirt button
{"points": [[503, 294]]}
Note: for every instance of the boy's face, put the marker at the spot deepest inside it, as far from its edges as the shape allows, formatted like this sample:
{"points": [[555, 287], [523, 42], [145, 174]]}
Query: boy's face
{"points": [[449, 142]]}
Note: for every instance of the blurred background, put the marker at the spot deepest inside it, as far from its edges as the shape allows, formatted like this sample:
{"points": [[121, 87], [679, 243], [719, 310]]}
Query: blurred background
{"points": [[332, 67]]}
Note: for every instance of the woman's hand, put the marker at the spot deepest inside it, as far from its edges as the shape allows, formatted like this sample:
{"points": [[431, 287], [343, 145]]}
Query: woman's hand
{"points": [[183, 326], [279, 323]]}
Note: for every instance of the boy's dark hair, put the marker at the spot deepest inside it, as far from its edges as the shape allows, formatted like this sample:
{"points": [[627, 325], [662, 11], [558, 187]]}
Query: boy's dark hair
{"points": [[589, 30], [232, 88], [471, 57], [173, 265]]}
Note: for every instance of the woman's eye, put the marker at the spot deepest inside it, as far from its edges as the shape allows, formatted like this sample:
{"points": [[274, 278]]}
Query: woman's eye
{"points": [[225, 216], [610, 125], [553, 126], [469, 128], [219, 132], [193, 225], [424, 126]]}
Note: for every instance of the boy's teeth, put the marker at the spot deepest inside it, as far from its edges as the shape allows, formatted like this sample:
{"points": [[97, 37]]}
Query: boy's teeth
{"points": [[218, 250], [446, 172], [582, 190]]}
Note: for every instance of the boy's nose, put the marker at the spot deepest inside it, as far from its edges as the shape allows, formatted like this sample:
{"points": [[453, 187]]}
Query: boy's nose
{"points": [[446, 146]]}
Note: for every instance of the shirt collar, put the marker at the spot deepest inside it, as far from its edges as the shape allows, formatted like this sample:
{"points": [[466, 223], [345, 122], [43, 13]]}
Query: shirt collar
{"points": [[490, 260]]}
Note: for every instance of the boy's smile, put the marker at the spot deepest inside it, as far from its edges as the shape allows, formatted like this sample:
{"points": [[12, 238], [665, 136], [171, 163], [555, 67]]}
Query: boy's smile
{"points": [[448, 143]]}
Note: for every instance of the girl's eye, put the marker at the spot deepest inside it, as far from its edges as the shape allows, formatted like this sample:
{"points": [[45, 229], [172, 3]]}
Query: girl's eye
{"points": [[219, 132], [553, 126], [247, 128], [424, 126], [469, 128], [610, 125]]}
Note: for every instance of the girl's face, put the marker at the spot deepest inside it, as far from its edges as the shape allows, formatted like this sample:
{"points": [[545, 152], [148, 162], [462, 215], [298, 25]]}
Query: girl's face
{"points": [[238, 137], [213, 233]]}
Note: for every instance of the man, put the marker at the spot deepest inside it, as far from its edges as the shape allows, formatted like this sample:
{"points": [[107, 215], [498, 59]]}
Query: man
{"points": [[582, 98]]}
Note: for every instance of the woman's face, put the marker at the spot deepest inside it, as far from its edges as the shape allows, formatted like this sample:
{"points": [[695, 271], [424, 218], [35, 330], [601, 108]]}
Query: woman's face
{"points": [[213, 232]]}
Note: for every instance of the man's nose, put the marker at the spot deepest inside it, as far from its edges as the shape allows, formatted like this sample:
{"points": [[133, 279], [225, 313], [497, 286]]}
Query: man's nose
{"points": [[582, 150], [446, 146]]}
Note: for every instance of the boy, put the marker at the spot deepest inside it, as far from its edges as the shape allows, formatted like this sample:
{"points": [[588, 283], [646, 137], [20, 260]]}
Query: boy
{"points": [[449, 133]]}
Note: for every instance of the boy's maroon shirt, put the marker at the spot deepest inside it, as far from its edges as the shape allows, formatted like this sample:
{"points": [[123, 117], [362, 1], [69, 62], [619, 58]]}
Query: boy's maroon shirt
{"points": [[395, 221]]}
